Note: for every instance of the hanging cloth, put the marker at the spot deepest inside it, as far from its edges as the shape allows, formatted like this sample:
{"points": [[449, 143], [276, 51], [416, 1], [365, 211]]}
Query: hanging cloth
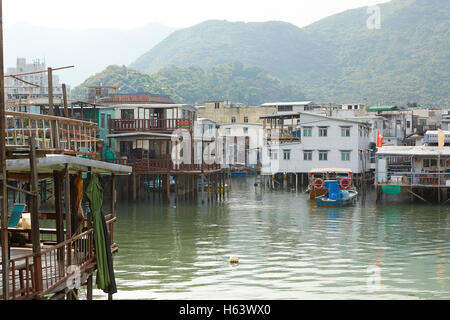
{"points": [[105, 279]]}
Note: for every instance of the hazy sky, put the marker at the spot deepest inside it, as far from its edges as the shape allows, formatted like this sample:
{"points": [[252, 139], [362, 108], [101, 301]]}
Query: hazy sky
{"points": [[125, 14]]}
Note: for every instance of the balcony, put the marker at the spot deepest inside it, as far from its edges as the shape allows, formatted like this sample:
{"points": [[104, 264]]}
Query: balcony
{"points": [[143, 125], [164, 165], [35, 275]]}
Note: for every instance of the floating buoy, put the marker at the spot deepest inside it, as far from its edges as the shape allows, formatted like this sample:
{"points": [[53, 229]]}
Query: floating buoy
{"points": [[234, 259]]}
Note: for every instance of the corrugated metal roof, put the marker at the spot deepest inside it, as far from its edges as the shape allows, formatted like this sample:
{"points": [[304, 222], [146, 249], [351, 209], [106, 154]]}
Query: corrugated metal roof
{"points": [[414, 150]]}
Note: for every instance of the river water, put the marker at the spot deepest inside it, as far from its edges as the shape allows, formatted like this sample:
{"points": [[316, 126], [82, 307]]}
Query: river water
{"points": [[287, 248]]}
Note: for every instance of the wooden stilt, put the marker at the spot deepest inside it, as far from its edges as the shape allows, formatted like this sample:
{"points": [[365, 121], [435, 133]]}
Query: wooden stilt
{"points": [[168, 187], [202, 188], [89, 287], [134, 186], [35, 229]]}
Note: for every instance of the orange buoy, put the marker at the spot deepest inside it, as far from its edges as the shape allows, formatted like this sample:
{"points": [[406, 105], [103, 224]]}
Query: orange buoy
{"points": [[318, 183], [345, 183]]}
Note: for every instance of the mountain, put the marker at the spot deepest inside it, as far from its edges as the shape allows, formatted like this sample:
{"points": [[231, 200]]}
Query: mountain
{"points": [[407, 59], [89, 50], [194, 85], [274, 46], [337, 59]]}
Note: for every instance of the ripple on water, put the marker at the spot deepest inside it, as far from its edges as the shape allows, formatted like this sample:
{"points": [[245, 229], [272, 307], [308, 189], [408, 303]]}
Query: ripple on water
{"points": [[287, 247]]}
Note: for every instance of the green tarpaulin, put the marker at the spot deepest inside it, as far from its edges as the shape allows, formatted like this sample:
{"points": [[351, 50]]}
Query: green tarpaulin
{"points": [[391, 189], [105, 273]]}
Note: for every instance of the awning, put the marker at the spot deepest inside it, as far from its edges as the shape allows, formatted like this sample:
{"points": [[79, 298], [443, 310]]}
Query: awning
{"points": [[58, 162]]}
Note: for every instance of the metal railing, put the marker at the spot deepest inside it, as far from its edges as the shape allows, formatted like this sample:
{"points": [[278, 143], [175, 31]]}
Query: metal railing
{"points": [[133, 125], [415, 179], [52, 134]]}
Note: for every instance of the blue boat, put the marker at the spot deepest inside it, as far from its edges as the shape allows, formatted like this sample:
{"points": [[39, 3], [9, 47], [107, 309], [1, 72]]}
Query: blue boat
{"points": [[335, 196]]}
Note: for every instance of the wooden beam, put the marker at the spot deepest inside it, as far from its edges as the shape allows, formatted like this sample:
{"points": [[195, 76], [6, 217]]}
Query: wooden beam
{"points": [[4, 193], [66, 111], [35, 232], [50, 91], [67, 202]]}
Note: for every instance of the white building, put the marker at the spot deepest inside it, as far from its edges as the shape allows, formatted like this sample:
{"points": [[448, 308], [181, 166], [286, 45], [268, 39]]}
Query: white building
{"points": [[292, 106], [317, 141], [16, 90]]}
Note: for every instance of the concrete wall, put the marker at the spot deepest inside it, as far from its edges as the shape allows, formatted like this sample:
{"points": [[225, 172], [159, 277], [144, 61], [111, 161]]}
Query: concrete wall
{"points": [[225, 112]]}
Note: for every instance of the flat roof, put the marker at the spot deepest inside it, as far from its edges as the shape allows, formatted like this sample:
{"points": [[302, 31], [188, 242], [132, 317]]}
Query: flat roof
{"points": [[58, 162], [294, 103], [414, 150], [151, 105]]}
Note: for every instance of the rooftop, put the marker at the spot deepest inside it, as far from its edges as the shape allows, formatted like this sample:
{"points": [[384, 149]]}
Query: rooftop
{"points": [[382, 108], [295, 103], [414, 150]]}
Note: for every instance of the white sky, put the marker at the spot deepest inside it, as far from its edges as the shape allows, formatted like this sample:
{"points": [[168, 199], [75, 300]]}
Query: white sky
{"points": [[126, 14]]}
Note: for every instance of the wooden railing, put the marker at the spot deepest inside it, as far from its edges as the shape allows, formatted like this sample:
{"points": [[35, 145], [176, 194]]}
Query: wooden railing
{"points": [[52, 134], [162, 165], [37, 275], [133, 125]]}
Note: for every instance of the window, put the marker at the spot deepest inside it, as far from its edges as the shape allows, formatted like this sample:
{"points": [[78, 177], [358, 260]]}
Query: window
{"points": [[228, 131], [422, 122], [233, 119], [108, 123], [245, 130], [429, 163], [307, 155], [287, 154], [408, 124], [307, 131], [126, 147], [127, 114], [323, 155], [216, 105], [284, 108], [245, 119], [345, 155], [323, 131], [273, 154], [345, 131], [102, 120]]}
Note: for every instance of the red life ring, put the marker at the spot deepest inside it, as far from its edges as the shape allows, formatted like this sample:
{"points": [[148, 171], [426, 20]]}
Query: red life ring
{"points": [[347, 184], [318, 183]]}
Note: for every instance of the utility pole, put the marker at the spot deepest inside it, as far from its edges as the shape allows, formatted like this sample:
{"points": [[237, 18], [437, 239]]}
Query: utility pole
{"points": [[3, 180]]}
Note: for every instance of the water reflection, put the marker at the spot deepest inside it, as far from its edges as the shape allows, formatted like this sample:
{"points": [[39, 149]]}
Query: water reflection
{"points": [[288, 248]]}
